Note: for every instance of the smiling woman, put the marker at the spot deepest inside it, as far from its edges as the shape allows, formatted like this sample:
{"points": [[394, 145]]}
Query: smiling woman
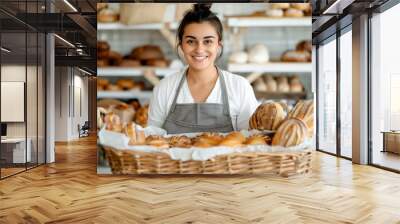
{"points": [[203, 97]]}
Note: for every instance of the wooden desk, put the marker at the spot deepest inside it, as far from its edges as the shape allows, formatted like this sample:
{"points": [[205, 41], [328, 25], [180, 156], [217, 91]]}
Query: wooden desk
{"points": [[391, 141]]}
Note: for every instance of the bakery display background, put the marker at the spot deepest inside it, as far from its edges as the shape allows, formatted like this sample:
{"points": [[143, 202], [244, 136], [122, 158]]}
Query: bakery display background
{"points": [[122, 40]]}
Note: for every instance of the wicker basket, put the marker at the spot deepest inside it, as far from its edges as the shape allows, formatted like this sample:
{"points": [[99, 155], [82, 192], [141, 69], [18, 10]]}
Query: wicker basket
{"points": [[282, 163]]}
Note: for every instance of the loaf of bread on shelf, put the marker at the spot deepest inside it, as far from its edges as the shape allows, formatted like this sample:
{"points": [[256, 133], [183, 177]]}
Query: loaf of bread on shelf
{"points": [[304, 45], [274, 13], [259, 85], [156, 62], [115, 58], [280, 5], [291, 132], [141, 116], [125, 84], [296, 87], [102, 63], [283, 84], [107, 15], [270, 82], [296, 56], [294, 13], [147, 52], [304, 110], [113, 87], [258, 54], [301, 6], [239, 57], [268, 116], [130, 63]]}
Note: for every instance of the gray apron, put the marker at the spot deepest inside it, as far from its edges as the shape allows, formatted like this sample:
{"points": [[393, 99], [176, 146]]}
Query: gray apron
{"points": [[199, 117]]}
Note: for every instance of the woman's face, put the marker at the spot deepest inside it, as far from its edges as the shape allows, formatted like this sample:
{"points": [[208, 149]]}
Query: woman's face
{"points": [[200, 45]]}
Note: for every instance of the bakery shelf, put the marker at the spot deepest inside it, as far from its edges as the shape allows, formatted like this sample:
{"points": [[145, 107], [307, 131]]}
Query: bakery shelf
{"points": [[121, 26], [276, 67], [269, 22], [124, 94], [280, 95], [120, 72]]}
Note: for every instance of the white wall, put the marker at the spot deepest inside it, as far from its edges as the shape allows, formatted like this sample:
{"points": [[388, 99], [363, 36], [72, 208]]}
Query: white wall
{"points": [[67, 115]]}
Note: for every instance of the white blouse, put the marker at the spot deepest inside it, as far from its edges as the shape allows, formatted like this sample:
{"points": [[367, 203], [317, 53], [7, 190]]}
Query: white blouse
{"points": [[242, 101]]}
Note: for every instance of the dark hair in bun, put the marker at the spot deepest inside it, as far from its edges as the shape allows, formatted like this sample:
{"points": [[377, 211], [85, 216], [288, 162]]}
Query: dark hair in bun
{"points": [[198, 14]]}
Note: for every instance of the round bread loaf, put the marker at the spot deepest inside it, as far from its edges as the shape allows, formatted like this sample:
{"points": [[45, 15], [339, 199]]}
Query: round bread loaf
{"points": [[304, 45], [268, 116], [147, 52], [304, 110], [291, 132]]}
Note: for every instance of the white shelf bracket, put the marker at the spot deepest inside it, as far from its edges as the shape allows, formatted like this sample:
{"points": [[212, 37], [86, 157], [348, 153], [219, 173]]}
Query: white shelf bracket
{"points": [[253, 76], [151, 76], [168, 35]]}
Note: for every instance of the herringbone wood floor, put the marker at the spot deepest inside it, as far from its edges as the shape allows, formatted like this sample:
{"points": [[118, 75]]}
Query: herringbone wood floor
{"points": [[70, 191]]}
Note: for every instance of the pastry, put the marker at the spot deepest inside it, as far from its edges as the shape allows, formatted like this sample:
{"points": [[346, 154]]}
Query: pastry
{"points": [[103, 54], [180, 141], [239, 57], [147, 52], [107, 15], [256, 140], [280, 5], [296, 56], [125, 84], [141, 116], [292, 132], [233, 139], [103, 46], [112, 87], [112, 122], [301, 6], [101, 6], [304, 110], [283, 85], [102, 62], [268, 116], [294, 13], [140, 137], [274, 12], [102, 82], [304, 45], [129, 63], [296, 87], [156, 62], [259, 54], [157, 141], [115, 58], [259, 85], [139, 85], [136, 104]]}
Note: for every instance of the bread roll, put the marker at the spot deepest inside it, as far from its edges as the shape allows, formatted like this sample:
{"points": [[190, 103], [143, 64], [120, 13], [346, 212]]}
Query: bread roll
{"points": [[280, 5], [274, 13], [113, 122], [115, 58], [103, 46], [301, 6], [296, 56], [268, 116], [291, 132], [296, 87], [112, 87], [130, 63], [259, 54], [294, 13], [283, 86], [304, 110], [107, 15], [102, 82], [156, 63], [180, 141], [259, 85], [147, 52], [270, 82], [304, 45], [125, 84], [256, 140], [239, 57], [157, 141], [233, 139], [102, 62]]}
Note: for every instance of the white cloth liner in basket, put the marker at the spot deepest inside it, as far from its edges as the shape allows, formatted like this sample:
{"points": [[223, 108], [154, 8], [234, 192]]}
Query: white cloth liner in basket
{"points": [[120, 141]]}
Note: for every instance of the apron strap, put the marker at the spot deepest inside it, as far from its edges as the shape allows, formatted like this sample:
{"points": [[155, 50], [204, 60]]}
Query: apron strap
{"points": [[224, 93], [173, 105]]}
